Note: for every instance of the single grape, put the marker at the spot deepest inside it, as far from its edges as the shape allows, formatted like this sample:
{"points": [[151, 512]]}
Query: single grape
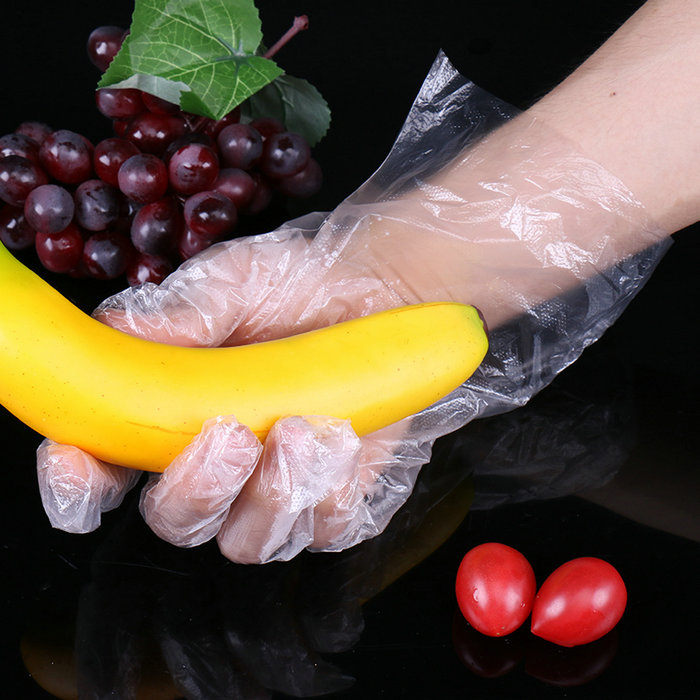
{"points": [[237, 185], [103, 45], [191, 243], [18, 177], [210, 214], [213, 127], [37, 131], [62, 251], [98, 205], [156, 227], [284, 154], [158, 105], [148, 268], [117, 103], [143, 178], [267, 126], [106, 255], [19, 145], [109, 156], [66, 156], [152, 133], [305, 183], [193, 168], [15, 232], [240, 146], [49, 208], [185, 140]]}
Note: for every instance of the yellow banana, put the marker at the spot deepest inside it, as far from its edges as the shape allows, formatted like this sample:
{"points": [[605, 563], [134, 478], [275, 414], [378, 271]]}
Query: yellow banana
{"points": [[138, 403]]}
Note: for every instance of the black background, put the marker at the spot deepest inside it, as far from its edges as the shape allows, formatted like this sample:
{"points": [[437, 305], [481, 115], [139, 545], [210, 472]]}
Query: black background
{"points": [[628, 404]]}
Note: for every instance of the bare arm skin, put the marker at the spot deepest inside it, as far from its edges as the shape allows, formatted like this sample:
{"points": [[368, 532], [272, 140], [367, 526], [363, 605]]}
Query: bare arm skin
{"points": [[634, 107]]}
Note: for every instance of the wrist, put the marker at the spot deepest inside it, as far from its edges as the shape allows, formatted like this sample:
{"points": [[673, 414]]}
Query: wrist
{"points": [[518, 219]]}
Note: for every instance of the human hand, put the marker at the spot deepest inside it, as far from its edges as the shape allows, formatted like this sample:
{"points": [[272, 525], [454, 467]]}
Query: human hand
{"points": [[544, 242], [306, 465]]}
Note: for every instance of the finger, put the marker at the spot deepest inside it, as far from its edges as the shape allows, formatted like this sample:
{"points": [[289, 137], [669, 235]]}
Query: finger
{"points": [[76, 488], [188, 502], [303, 460], [231, 292], [388, 465]]}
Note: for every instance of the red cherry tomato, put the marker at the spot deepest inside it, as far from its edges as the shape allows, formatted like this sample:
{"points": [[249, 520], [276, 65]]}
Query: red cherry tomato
{"points": [[579, 602], [495, 588]]}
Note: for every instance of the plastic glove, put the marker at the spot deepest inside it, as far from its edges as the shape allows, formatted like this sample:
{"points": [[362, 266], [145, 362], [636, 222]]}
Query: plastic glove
{"points": [[547, 244]]}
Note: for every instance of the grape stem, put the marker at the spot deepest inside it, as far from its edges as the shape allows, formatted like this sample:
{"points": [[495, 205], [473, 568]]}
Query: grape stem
{"points": [[298, 25]]}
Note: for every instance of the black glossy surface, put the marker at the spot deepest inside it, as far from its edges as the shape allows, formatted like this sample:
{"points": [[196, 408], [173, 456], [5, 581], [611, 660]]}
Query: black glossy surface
{"points": [[604, 462]]}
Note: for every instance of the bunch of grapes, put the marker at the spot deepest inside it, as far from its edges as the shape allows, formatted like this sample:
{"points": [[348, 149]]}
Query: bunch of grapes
{"points": [[163, 187]]}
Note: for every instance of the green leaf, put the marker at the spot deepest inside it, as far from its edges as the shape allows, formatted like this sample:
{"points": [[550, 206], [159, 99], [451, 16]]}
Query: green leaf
{"points": [[296, 103], [199, 54]]}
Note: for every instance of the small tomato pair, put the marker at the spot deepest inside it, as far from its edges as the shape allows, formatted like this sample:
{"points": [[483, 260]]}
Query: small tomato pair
{"points": [[578, 603]]}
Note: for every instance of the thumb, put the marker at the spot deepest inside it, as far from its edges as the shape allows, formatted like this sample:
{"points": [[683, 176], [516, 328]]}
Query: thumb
{"points": [[76, 488], [230, 293], [188, 502]]}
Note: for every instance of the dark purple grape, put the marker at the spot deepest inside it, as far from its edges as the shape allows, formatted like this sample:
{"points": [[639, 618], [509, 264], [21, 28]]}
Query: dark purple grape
{"points": [[118, 103], [103, 45], [191, 243], [49, 208], [156, 227], [237, 185], [305, 183], [119, 126], [67, 156], [185, 140], [240, 146], [143, 178], [284, 154], [152, 133], [62, 251], [210, 214], [193, 168], [98, 205], [267, 126], [109, 156], [213, 128], [37, 131], [15, 232], [78, 272], [158, 105], [19, 145], [262, 197], [18, 177], [148, 268], [106, 255]]}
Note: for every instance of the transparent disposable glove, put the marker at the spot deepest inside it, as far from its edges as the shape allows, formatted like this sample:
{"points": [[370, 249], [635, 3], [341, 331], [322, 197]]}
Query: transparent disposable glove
{"points": [[474, 204]]}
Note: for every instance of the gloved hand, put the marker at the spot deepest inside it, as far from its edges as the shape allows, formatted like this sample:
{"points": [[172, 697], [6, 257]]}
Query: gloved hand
{"points": [[547, 244]]}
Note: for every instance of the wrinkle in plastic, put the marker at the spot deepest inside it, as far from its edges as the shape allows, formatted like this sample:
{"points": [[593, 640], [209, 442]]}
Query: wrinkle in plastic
{"points": [[509, 228]]}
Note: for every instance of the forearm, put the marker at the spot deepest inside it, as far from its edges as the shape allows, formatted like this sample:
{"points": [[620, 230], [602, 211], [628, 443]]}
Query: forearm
{"points": [[634, 107], [598, 170], [520, 218]]}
